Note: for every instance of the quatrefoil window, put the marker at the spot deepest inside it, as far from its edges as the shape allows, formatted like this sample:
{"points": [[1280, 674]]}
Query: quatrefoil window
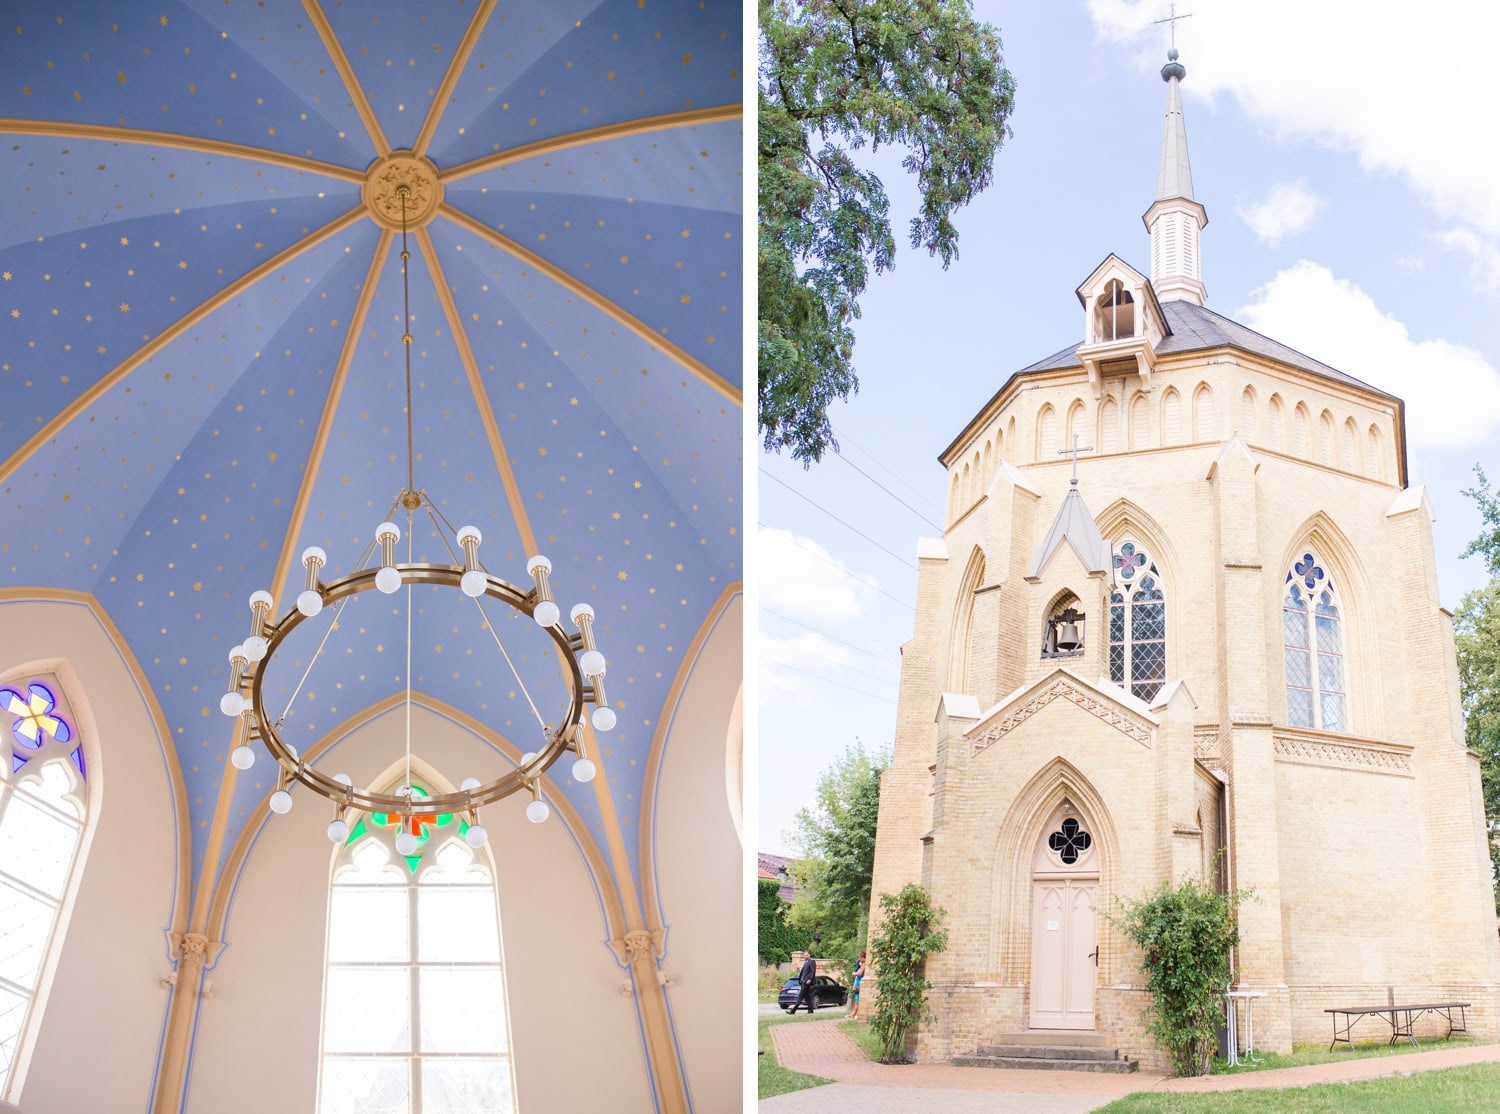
{"points": [[1070, 842]]}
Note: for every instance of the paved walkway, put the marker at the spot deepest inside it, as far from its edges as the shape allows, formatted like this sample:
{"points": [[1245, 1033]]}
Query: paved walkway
{"points": [[818, 1048]]}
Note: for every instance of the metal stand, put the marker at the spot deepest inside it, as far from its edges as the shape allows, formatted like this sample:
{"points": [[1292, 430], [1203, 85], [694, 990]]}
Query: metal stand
{"points": [[1231, 1012]]}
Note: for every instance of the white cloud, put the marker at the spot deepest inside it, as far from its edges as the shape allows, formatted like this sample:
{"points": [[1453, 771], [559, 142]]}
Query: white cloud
{"points": [[1398, 88], [1289, 207], [785, 662], [1484, 256], [1452, 393], [800, 578]]}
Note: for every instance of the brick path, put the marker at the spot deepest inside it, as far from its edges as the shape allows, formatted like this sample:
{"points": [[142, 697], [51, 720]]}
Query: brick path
{"points": [[818, 1048]]}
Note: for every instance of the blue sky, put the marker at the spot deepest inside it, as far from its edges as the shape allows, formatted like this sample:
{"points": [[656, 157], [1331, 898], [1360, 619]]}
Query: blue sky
{"points": [[1341, 152]]}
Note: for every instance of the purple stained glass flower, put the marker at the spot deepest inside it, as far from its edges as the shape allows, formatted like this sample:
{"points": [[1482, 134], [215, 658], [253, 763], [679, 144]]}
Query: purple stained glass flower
{"points": [[1309, 570], [36, 720], [1128, 560], [1070, 842]]}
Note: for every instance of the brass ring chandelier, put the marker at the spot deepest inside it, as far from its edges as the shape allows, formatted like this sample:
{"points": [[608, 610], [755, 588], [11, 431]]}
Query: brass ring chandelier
{"points": [[583, 664]]}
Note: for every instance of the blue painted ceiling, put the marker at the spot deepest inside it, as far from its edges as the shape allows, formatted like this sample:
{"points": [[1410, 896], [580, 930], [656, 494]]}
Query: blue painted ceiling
{"points": [[156, 437]]}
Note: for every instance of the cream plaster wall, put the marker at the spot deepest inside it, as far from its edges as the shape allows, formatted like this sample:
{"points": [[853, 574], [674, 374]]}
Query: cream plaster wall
{"points": [[694, 853], [576, 1038], [101, 1029]]}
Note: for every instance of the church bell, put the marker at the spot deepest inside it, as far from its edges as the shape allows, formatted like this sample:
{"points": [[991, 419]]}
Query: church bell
{"points": [[1068, 637]]}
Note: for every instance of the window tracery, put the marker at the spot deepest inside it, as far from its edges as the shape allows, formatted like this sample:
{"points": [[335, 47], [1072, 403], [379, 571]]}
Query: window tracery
{"points": [[1313, 648], [1137, 623]]}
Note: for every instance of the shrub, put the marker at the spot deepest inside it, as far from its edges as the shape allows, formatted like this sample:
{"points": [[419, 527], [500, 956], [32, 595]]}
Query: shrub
{"points": [[777, 940], [908, 933], [1184, 933]]}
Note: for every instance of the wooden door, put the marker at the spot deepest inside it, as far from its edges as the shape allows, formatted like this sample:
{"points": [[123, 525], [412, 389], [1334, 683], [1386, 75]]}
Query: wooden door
{"points": [[1064, 942]]}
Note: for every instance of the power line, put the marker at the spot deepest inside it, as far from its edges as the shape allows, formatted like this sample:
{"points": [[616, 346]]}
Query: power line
{"points": [[836, 664], [829, 680], [888, 491], [840, 521], [895, 475], [824, 634], [835, 565]]}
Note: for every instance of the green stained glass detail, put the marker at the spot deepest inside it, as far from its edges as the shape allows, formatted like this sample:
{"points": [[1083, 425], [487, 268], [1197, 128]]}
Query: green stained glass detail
{"points": [[422, 826]]}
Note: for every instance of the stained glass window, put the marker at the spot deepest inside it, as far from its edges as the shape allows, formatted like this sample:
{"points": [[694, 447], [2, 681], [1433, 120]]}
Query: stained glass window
{"points": [[42, 802], [1313, 648], [1137, 623], [414, 1007]]}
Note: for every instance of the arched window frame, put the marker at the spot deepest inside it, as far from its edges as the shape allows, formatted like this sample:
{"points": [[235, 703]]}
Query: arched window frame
{"points": [[1137, 622], [439, 871], [1317, 684], [44, 812]]}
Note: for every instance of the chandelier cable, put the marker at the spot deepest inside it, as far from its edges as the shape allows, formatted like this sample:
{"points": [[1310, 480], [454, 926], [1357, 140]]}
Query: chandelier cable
{"points": [[411, 456]]}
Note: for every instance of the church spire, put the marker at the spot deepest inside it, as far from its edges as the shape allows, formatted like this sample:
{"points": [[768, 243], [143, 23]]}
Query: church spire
{"points": [[1175, 219]]}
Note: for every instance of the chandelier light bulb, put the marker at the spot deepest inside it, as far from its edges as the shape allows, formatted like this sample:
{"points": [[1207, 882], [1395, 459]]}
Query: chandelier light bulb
{"points": [[580, 611], [592, 663], [604, 719], [467, 532], [537, 812], [255, 647], [469, 784], [310, 603], [476, 836], [583, 770], [473, 583], [388, 530], [546, 614], [338, 831], [343, 779], [231, 704], [527, 757], [242, 757], [313, 553], [281, 802], [388, 580], [406, 844]]}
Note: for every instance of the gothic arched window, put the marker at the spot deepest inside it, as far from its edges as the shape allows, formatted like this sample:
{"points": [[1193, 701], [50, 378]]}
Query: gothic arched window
{"points": [[414, 1005], [1313, 642], [1137, 624], [43, 803]]}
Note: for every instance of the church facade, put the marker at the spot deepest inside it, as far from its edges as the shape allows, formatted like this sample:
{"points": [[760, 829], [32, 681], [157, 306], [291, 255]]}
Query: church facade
{"points": [[1207, 641]]}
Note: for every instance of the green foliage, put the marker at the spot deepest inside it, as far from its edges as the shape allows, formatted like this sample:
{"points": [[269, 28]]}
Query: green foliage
{"points": [[908, 933], [1476, 630], [835, 76], [836, 836], [776, 939], [1184, 933]]}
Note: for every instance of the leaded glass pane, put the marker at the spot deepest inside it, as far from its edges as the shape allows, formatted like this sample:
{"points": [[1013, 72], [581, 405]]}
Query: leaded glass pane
{"points": [[368, 1009], [1117, 619], [1117, 664], [36, 845], [25, 926], [1298, 669], [12, 1017], [465, 1087], [458, 924], [1299, 711], [463, 1009], [1332, 705], [1148, 661], [1294, 620], [1328, 631], [1330, 673], [1148, 620], [365, 1086], [367, 925]]}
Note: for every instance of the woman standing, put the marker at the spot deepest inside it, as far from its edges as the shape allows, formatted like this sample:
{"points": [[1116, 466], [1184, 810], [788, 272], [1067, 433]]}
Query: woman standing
{"points": [[859, 973]]}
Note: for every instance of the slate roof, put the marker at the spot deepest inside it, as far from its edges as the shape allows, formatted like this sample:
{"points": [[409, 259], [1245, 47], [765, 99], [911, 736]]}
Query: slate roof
{"points": [[1196, 327]]}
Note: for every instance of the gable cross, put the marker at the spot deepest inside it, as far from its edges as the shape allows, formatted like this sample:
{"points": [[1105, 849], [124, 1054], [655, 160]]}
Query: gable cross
{"points": [[1073, 452]]}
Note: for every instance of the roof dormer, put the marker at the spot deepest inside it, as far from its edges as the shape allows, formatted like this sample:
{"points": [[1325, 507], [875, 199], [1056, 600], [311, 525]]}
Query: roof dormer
{"points": [[1122, 324]]}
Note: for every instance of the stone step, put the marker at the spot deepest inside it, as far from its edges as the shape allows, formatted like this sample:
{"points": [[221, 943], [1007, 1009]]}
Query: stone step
{"points": [[1053, 1037], [1034, 1063], [1049, 1051]]}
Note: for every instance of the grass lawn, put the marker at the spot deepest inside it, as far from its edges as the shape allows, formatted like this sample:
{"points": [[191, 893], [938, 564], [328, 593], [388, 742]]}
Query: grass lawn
{"points": [[1304, 1054], [863, 1037], [1454, 1091], [773, 1079]]}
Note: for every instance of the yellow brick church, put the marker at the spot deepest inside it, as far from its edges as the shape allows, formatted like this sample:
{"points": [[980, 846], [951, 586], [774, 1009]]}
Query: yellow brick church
{"points": [[1208, 641]]}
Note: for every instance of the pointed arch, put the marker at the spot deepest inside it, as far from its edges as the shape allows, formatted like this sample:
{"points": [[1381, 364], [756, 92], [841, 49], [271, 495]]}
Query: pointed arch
{"points": [[965, 490], [1140, 423], [1275, 424], [953, 497], [986, 470], [961, 630], [1325, 437], [1247, 430], [1011, 865], [1109, 427], [1171, 417], [1121, 523], [1302, 432], [1046, 434], [1077, 419], [1203, 414], [1010, 437], [1374, 458], [1351, 446], [1340, 563], [999, 445]]}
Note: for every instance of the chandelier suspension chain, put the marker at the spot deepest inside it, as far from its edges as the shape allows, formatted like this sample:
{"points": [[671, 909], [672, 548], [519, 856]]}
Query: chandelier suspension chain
{"points": [[410, 515], [411, 456], [435, 514]]}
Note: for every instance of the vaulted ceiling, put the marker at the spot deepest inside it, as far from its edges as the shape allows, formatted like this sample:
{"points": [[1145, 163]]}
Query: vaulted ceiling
{"points": [[200, 345]]}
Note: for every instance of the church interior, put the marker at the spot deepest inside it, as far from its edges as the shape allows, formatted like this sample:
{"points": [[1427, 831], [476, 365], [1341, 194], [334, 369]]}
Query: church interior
{"points": [[313, 308], [1156, 640]]}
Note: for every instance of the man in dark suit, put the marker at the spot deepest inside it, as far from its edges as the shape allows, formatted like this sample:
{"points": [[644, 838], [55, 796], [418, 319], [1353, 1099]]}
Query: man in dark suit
{"points": [[807, 976]]}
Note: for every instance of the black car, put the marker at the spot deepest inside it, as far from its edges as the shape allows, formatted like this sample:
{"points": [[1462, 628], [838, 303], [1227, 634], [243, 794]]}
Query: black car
{"points": [[825, 992]]}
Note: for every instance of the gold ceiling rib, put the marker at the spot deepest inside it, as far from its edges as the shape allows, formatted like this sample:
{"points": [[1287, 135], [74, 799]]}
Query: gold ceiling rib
{"points": [[208, 876], [200, 144], [597, 300], [351, 82], [330, 408], [171, 333], [690, 118], [481, 398], [450, 79]]}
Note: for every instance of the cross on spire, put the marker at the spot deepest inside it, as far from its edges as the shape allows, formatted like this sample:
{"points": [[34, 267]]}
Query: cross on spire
{"points": [[1074, 451], [1171, 20]]}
